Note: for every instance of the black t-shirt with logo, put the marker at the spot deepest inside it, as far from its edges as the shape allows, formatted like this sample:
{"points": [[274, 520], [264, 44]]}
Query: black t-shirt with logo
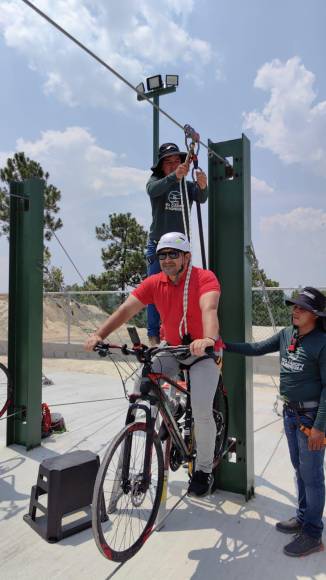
{"points": [[302, 373], [166, 204]]}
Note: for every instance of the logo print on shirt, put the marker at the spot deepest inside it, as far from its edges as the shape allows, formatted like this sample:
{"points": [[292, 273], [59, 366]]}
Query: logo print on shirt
{"points": [[174, 201]]}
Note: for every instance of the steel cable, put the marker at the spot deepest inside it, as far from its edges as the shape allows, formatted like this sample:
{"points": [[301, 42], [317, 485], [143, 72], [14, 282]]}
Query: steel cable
{"points": [[117, 74]]}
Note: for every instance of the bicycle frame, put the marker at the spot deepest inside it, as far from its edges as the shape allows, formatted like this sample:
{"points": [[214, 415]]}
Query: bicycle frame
{"points": [[159, 403]]}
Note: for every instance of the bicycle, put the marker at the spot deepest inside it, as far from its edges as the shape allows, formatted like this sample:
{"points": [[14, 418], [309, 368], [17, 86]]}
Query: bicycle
{"points": [[130, 481]]}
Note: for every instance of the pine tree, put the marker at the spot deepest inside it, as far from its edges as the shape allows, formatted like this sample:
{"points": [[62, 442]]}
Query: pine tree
{"points": [[124, 256], [18, 168]]}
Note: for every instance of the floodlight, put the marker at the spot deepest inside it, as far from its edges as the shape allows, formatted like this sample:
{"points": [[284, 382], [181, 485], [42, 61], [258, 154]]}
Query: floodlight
{"points": [[154, 83], [140, 88], [172, 80]]}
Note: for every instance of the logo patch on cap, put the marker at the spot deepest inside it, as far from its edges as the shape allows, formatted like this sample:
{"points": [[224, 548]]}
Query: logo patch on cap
{"points": [[311, 296]]}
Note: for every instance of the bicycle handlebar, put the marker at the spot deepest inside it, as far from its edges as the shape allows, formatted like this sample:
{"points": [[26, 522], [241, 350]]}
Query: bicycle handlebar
{"points": [[144, 353]]}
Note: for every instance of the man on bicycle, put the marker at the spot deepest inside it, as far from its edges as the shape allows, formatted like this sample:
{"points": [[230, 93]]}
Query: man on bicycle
{"points": [[188, 311]]}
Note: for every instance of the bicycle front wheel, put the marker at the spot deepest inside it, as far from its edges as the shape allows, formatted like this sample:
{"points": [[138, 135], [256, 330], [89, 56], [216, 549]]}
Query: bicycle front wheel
{"points": [[126, 498]]}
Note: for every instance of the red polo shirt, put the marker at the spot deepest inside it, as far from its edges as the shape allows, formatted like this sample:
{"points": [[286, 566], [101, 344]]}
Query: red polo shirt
{"points": [[168, 299]]}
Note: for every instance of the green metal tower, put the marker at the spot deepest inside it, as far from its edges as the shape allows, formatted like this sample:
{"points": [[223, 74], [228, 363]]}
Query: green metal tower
{"points": [[229, 240], [26, 311]]}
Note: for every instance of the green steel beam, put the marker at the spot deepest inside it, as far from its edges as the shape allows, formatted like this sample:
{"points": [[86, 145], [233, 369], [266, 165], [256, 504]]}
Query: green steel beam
{"points": [[229, 239], [26, 311]]}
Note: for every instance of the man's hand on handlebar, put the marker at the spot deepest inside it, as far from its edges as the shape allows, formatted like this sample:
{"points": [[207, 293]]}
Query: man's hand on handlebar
{"points": [[198, 346], [92, 341]]}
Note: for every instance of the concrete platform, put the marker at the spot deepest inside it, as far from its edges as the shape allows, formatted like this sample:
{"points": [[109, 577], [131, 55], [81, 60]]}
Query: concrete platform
{"points": [[219, 537]]}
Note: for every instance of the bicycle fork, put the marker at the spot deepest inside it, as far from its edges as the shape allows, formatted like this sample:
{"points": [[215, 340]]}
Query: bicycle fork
{"points": [[123, 482]]}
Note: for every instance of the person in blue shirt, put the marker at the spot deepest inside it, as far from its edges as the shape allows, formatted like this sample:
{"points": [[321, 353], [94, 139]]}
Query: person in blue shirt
{"points": [[302, 350]]}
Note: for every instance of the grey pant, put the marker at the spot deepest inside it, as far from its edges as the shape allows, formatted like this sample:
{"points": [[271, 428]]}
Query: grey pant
{"points": [[204, 377]]}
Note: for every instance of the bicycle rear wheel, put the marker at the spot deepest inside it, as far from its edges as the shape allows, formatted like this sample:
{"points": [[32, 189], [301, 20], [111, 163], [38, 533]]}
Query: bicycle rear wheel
{"points": [[125, 503], [6, 390], [221, 416]]}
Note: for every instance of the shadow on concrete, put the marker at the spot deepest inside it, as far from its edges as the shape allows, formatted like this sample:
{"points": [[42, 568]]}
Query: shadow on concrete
{"points": [[244, 540], [9, 496]]}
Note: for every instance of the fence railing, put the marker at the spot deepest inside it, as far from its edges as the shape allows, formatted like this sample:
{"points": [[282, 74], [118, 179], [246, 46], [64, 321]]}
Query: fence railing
{"points": [[69, 316]]}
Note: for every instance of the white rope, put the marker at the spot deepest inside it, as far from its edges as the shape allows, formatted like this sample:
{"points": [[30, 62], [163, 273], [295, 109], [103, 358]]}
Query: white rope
{"points": [[188, 232]]}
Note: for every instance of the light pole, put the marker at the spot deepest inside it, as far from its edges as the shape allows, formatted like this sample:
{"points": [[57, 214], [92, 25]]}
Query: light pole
{"points": [[156, 88]]}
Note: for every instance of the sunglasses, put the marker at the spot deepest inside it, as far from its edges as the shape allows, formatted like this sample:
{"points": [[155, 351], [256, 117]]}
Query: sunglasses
{"points": [[172, 255]]}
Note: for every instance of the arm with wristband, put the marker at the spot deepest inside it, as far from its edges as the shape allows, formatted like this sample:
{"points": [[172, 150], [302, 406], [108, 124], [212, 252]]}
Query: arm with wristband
{"points": [[208, 303]]}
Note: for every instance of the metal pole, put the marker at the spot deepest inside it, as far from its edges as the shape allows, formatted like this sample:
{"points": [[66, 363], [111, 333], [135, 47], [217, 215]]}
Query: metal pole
{"points": [[229, 219], [156, 128], [26, 311]]}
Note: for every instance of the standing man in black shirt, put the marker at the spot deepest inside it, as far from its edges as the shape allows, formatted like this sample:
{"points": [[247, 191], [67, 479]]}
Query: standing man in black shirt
{"points": [[163, 188], [302, 350]]}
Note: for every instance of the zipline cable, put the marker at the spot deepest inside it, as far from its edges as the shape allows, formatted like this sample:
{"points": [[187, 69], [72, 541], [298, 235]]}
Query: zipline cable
{"points": [[68, 256], [122, 79], [89, 401], [128, 363], [118, 75]]}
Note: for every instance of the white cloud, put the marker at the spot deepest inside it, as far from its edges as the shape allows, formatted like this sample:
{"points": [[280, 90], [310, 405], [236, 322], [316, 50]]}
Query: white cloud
{"points": [[132, 36], [94, 182], [300, 219], [291, 124], [294, 246], [75, 162], [259, 186]]}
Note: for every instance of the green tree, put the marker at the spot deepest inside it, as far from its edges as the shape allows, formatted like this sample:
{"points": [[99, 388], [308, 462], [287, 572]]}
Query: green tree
{"points": [[124, 255], [53, 280], [259, 276], [18, 168], [275, 298]]}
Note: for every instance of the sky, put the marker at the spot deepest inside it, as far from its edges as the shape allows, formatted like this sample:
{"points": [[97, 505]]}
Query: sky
{"points": [[255, 67]]}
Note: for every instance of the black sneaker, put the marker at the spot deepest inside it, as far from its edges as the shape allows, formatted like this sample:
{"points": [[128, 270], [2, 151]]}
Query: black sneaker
{"points": [[291, 526], [303, 545], [201, 484]]}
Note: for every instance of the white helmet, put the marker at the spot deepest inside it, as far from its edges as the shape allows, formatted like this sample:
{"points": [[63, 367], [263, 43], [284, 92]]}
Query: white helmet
{"points": [[174, 240]]}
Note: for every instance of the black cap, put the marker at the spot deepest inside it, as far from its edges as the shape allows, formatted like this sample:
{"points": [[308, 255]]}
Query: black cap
{"points": [[166, 150], [310, 299]]}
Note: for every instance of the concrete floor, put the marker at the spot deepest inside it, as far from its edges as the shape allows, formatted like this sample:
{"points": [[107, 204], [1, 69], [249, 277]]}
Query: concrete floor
{"points": [[220, 536]]}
